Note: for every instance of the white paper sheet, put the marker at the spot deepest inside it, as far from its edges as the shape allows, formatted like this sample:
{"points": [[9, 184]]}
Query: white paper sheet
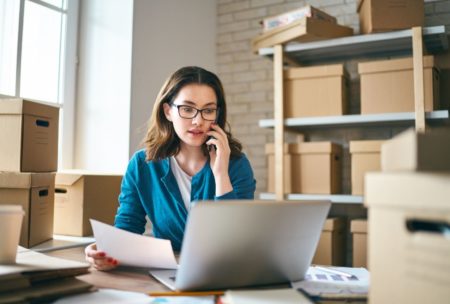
{"points": [[132, 249]]}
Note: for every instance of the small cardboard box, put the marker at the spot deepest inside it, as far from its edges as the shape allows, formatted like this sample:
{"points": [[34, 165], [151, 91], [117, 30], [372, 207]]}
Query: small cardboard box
{"points": [[28, 136], [270, 154], [388, 15], [331, 247], [35, 193], [365, 157], [358, 229], [315, 91], [82, 195], [411, 151], [388, 85], [302, 30], [409, 248]]}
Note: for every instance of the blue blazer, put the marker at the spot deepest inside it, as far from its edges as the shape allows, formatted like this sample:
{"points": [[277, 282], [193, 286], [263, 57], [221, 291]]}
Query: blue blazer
{"points": [[150, 188]]}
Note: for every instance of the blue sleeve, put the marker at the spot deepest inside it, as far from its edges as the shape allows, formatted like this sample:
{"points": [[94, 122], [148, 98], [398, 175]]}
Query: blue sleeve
{"points": [[242, 180], [131, 215]]}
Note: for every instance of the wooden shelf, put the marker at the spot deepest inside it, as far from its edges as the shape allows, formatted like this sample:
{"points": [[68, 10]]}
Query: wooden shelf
{"points": [[334, 198], [355, 120], [387, 44]]}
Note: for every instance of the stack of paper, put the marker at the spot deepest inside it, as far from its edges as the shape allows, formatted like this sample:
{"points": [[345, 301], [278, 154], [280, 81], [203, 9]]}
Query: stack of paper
{"points": [[265, 296]]}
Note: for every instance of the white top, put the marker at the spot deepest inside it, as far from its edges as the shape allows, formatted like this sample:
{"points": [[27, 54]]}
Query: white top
{"points": [[184, 181]]}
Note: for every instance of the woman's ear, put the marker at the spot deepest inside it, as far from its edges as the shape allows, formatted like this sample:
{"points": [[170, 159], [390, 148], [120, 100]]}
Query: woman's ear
{"points": [[166, 108]]}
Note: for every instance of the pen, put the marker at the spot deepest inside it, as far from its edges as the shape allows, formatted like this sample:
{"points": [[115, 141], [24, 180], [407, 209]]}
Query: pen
{"points": [[185, 293], [335, 271]]}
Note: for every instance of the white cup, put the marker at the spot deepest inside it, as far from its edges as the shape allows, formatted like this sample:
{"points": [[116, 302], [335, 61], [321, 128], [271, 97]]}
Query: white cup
{"points": [[11, 217]]}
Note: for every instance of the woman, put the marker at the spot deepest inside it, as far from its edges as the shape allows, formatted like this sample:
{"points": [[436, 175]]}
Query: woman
{"points": [[189, 156]]}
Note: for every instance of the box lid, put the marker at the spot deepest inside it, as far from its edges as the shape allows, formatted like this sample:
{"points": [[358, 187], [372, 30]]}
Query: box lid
{"points": [[365, 146], [70, 177], [321, 147], [315, 71], [392, 65], [359, 225], [13, 105], [334, 224], [19, 180]]}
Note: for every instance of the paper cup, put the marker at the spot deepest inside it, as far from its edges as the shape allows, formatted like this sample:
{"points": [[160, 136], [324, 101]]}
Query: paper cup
{"points": [[10, 225]]}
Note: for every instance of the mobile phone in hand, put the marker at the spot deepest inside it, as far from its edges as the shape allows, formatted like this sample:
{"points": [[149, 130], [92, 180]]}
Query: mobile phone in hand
{"points": [[209, 137]]}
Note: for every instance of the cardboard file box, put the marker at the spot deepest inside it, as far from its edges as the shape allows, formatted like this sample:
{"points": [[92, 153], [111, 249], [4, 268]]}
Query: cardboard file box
{"points": [[358, 229], [80, 196], [388, 15], [388, 85], [35, 193], [315, 91], [331, 247], [270, 155], [365, 157], [28, 136], [409, 214], [411, 151]]}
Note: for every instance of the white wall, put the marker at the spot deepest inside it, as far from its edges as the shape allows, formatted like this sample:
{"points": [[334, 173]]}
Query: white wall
{"points": [[167, 34], [104, 80]]}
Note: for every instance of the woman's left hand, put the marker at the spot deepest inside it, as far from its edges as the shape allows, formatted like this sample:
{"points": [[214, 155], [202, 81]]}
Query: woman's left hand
{"points": [[219, 159]]}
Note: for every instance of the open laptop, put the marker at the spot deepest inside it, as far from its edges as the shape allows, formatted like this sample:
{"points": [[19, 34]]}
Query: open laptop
{"points": [[231, 244]]}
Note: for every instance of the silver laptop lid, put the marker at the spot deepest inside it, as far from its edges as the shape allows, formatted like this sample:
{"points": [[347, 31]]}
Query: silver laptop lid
{"points": [[244, 243]]}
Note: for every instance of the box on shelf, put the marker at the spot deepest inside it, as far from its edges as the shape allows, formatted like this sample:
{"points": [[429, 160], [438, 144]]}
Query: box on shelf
{"points": [[412, 151], [291, 16], [35, 193], [331, 247], [28, 136], [302, 30], [409, 216], [388, 15], [358, 228], [388, 85], [270, 154], [365, 157], [82, 195], [315, 91]]}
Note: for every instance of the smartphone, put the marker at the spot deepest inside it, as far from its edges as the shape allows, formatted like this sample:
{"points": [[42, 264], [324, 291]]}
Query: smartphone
{"points": [[209, 137]]}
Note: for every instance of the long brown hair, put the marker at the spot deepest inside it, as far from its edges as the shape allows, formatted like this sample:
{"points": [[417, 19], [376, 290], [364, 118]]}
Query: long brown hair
{"points": [[161, 140]]}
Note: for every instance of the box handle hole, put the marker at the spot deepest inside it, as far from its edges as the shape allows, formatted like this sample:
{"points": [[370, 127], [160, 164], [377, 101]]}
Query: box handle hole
{"points": [[60, 190], [43, 192], [42, 123], [438, 227]]}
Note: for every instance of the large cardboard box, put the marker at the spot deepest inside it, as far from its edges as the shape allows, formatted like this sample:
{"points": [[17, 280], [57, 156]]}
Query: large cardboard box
{"points": [[409, 248], [35, 193], [358, 228], [82, 195], [388, 15], [412, 151], [270, 156], [302, 30], [388, 85], [28, 136], [365, 157], [331, 247], [316, 168], [315, 91]]}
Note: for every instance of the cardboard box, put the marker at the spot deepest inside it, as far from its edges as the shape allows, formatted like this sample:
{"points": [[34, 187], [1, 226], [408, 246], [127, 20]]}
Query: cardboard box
{"points": [[409, 214], [411, 151], [331, 247], [28, 136], [291, 16], [365, 157], [82, 195], [35, 193], [358, 228], [302, 30], [388, 15], [270, 155], [388, 85], [315, 91]]}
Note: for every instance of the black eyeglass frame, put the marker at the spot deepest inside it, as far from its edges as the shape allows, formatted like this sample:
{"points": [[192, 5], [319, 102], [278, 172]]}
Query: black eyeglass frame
{"points": [[196, 112]]}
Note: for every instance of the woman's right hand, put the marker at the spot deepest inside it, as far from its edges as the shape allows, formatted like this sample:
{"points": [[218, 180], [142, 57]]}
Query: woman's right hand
{"points": [[99, 259]]}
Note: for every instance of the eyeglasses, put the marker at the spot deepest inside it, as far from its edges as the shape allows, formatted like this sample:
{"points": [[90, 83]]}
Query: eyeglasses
{"points": [[189, 112]]}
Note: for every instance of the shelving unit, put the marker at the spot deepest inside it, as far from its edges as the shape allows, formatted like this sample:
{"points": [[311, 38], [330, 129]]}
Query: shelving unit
{"points": [[411, 41]]}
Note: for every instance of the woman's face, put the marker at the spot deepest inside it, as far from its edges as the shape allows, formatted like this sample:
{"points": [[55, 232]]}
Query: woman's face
{"points": [[192, 97]]}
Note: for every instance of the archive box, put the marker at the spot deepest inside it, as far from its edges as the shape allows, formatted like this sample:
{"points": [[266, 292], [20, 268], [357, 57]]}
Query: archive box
{"points": [[331, 247], [358, 229]]}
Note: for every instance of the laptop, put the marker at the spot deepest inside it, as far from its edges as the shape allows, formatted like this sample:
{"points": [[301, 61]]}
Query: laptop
{"points": [[232, 244]]}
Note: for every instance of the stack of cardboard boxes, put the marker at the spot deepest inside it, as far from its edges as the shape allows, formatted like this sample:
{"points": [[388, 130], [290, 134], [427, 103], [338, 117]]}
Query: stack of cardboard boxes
{"points": [[409, 220], [28, 158]]}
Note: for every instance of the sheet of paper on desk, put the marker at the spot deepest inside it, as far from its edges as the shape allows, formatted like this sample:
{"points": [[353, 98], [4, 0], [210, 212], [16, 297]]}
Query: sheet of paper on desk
{"points": [[133, 249]]}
